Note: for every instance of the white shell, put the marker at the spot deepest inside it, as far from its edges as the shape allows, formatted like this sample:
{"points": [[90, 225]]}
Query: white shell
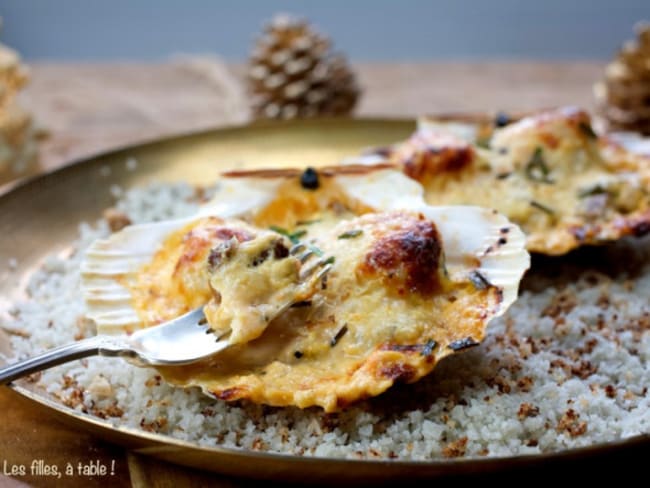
{"points": [[465, 131], [469, 235], [106, 260], [632, 141], [477, 232]]}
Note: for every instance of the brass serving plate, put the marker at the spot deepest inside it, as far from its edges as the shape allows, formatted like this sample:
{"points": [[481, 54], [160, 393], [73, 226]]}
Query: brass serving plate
{"points": [[40, 217]]}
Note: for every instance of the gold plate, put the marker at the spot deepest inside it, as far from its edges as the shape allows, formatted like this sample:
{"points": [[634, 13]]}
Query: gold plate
{"points": [[40, 217]]}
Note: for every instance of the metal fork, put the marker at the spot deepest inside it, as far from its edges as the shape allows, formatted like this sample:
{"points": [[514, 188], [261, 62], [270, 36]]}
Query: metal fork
{"points": [[176, 342]]}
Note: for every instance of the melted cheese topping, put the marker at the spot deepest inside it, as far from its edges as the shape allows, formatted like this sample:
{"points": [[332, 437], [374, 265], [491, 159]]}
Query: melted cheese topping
{"points": [[253, 282], [548, 173], [385, 313], [177, 279]]}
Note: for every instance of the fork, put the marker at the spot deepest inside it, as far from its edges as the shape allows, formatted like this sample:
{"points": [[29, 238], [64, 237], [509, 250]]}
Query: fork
{"points": [[173, 343]]}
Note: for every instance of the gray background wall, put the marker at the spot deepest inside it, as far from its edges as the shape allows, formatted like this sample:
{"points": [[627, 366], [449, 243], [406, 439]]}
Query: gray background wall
{"points": [[364, 29]]}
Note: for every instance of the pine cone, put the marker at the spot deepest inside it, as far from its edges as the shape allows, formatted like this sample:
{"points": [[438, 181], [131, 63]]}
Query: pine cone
{"points": [[293, 73], [624, 95]]}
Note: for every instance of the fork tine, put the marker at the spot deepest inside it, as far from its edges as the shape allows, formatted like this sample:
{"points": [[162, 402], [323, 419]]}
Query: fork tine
{"points": [[223, 335], [297, 248], [326, 269], [305, 256], [322, 266]]}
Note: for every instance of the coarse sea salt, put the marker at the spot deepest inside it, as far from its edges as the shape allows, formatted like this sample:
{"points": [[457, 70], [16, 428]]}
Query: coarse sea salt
{"points": [[563, 368]]}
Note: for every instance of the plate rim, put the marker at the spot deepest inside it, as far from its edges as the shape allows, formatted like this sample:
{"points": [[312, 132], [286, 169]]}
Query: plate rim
{"points": [[150, 442], [74, 162]]}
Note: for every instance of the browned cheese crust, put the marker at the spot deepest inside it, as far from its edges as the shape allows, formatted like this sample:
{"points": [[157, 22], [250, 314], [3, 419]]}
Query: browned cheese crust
{"points": [[386, 313], [550, 173]]}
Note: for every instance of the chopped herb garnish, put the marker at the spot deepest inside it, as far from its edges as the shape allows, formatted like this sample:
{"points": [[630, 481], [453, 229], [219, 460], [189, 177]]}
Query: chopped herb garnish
{"points": [[329, 260], [350, 234], [279, 230], [588, 130], [461, 344], [479, 281], [542, 207], [335, 340], [536, 169], [404, 347], [428, 348], [503, 176], [591, 191], [308, 222], [294, 237]]}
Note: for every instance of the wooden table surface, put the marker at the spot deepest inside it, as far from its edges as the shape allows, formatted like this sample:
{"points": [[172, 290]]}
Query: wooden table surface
{"points": [[87, 108]]}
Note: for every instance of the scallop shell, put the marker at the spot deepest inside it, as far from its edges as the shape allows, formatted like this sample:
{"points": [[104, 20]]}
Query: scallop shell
{"points": [[107, 260], [594, 188], [477, 242]]}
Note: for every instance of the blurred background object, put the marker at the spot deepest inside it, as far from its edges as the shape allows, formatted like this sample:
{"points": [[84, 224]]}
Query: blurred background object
{"points": [[18, 136], [624, 95], [109, 74], [294, 73]]}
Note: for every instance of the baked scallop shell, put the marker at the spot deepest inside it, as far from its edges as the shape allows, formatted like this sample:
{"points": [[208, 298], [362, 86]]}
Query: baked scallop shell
{"points": [[367, 324], [549, 172]]}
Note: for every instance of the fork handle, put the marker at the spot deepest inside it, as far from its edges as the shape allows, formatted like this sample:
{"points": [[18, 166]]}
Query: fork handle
{"points": [[76, 350]]}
